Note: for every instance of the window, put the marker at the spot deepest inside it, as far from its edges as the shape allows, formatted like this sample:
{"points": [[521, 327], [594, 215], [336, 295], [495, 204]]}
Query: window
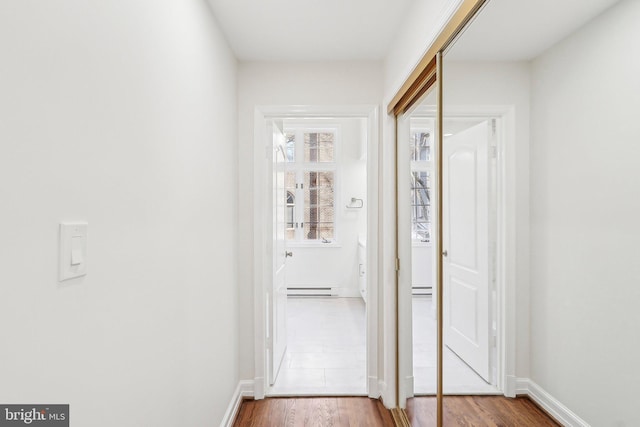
{"points": [[421, 168], [310, 183], [291, 219]]}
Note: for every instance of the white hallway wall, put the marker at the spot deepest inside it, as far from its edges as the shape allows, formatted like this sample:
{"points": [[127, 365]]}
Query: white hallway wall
{"points": [[261, 83], [423, 22], [121, 114], [585, 273]]}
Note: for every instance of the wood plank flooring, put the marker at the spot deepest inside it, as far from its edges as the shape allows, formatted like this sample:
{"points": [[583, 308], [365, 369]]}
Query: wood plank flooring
{"points": [[459, 411], [476, 411], [313, 412]]}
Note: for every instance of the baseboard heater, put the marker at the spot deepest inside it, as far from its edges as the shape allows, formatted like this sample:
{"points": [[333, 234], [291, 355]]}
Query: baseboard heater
{"points": [[311, 292], [422, 290]]}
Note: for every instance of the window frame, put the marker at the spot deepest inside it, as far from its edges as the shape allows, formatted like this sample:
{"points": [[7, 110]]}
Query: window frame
{"points": [[423, 125], [299, 166]]}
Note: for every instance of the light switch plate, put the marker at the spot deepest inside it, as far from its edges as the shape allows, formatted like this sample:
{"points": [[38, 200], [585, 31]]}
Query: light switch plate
{"points": [[73, 250]]}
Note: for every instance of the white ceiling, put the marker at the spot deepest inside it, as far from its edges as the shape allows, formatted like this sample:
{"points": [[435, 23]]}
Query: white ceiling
{"points": [[513, 30], [309, 30], [333, 30]]}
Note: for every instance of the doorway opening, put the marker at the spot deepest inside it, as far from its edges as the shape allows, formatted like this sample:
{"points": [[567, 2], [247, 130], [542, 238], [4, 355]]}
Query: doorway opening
{"points": [[325, 186], [318, 303], [470, 315], [474, 291]]}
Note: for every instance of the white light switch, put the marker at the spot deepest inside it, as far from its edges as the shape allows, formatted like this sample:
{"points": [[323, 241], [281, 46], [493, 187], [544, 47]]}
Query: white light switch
{"points": [[77, 250], [73, 251]]}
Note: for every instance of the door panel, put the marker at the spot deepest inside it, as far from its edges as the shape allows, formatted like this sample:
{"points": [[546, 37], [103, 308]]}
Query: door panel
{"points": [[462, 224], [466, 246], [463, 311], [278, 334]]}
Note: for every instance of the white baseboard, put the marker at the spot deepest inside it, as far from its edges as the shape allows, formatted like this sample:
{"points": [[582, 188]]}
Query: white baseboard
{"points": [[553, 406], [373, 387], [244, 389], [522, 386], [510, 386], [258, 388], [409, 388], [388, 401], [378, 389]]}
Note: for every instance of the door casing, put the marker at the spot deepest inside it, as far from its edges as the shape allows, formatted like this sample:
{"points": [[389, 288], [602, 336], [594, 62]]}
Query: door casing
{"points": [[505, 252], [262, 231]]}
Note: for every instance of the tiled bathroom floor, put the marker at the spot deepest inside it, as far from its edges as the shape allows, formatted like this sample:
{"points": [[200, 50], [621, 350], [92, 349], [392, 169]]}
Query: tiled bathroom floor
{"points": [[326, 351], [326, 348], [458, 378]]}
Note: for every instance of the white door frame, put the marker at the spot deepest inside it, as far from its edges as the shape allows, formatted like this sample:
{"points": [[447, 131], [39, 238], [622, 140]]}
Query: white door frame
{"points": [[262, 252], [505, 362]]}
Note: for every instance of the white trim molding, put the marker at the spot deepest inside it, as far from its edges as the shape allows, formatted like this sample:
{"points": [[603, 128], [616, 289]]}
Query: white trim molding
{"points": [[261, 230], [506, 244], [562, 414], [510, 386], [243, 390], [382, 391]]}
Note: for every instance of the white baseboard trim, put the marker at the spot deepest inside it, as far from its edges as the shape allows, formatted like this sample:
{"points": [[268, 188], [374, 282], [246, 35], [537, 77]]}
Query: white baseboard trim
{"points": [[373, 385], [409, 388], [388, 401], [510, 386], [522, 386], [244, 389], [553, 406], [258, 388]]}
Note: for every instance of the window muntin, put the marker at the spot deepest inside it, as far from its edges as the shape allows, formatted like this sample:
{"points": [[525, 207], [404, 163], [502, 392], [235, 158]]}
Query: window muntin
{"points": [[319, 212], [290, 147], [291, 211], [291, 215], [421, 205], [311, 180], [421, 167], [421, 146], [318, 147]]}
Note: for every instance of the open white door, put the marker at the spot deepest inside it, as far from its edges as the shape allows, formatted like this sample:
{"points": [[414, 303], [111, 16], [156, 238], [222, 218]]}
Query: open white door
{"points": [[466, 246], [277, 298]]}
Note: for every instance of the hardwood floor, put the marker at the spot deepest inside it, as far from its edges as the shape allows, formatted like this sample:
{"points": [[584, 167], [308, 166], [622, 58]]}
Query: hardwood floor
{"points": [[313, 412], [476, 411], [459, 411]]}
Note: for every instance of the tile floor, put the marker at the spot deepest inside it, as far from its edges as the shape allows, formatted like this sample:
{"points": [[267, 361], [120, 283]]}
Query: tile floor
{"points": [[458, 378], [326, 349]]}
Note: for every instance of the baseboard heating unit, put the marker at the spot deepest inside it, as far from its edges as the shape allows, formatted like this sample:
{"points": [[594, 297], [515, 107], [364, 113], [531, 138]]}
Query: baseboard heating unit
{"points": [[311, 292], [422, 291]]}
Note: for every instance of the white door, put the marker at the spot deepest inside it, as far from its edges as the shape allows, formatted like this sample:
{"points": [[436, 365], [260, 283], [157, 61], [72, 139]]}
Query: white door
{"points": [[466, 246], [277, 335]]}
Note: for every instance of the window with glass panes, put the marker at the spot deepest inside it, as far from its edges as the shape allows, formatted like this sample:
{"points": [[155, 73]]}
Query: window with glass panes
{"points": [[421, 168], [310, 184]]}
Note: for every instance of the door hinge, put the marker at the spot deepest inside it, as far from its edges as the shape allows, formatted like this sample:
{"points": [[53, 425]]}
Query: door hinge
{"points": [[397, 264], [493, 152]]}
